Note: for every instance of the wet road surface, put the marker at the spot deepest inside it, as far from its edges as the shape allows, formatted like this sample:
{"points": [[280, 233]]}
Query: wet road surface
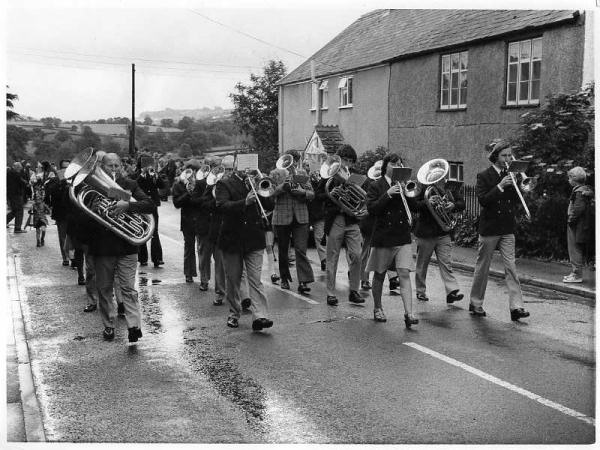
{"points": [[321, 375]]}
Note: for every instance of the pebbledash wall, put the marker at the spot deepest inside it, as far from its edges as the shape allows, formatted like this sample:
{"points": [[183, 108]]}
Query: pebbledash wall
{"points": [[364, 125], [420, 131], [396, 104]]}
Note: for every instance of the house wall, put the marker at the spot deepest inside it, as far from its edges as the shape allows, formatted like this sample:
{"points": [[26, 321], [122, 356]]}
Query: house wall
{"points": [[364, 126], [420, 131]]}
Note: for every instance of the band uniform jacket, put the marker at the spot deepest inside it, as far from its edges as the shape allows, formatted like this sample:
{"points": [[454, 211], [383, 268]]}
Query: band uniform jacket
{"points": [[150, 185], [103, 241], [498, 209], [391, 226], [331, 210], [192, 205], [57, 196], [367, 222], [242, 228], [289, 207], [215, 217], [315, 207], [427, 226]]}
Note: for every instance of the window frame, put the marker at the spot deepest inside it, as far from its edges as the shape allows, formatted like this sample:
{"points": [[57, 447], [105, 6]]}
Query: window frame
{"points": [[324, 86], [313, 96], [531, 60], [459, 105], [347, 91], [460, 171]]}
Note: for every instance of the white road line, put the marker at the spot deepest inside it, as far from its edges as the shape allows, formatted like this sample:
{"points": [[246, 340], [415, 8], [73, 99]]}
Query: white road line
{"points": [[265, 282], [504, 384]]}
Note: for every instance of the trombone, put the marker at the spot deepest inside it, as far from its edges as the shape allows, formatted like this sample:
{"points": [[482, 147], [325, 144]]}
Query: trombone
{"points": [[266, 188], [527, 184], [409, 189]]}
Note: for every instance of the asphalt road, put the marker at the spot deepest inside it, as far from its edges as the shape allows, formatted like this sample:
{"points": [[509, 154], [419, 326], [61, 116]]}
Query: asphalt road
{"points": [[321, 375]]}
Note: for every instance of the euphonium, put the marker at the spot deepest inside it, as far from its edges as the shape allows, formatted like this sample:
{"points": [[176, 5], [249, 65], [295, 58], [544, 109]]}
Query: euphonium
{"points": [[437, 202], [95, 192], [202, 172], [187, 177], [351, 198], [374, 172]]}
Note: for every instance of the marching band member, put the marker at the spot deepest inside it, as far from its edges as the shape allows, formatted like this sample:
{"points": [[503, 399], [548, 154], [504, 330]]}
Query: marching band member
{"points": [[150, 183], [498, 199], [431, 237], [290, 216], [342, 228], [189, 200], [242, 241], [115, 257], [391, 240], [316, 216]]}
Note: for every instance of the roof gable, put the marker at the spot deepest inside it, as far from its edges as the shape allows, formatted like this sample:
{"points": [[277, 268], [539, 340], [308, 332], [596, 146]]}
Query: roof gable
{"points": [[383, 35]]}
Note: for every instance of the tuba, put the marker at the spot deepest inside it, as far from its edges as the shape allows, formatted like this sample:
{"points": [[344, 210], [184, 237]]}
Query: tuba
{"points": [[350, 197], [94, 191], [437, 202]]}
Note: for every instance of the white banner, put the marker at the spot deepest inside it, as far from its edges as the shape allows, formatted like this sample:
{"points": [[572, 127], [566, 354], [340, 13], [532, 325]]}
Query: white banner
{"points": [[247, 161]]}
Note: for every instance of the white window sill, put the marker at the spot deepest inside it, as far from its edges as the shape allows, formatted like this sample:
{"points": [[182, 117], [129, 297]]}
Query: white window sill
{"points": [[345, 107]]}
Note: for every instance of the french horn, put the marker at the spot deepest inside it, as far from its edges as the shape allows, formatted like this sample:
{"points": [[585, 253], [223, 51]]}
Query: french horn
{"points": [[95, 192], [437, 201]]}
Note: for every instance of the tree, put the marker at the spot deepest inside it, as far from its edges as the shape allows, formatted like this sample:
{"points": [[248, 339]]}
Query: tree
{"points": [[256, 109], [368, 158], [62, 136], [185, 151], [16, 143], [51, 122], [10, 105], [167, 123], [185, 123], [88, 139], [147, 120]]}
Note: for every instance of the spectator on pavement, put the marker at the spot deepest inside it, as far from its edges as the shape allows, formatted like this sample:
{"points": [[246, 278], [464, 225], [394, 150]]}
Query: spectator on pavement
{"points": [[580, 227], [16, 187], [57, 196], [39, 212]]}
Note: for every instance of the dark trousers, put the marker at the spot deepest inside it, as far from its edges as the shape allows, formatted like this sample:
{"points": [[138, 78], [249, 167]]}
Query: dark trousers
{"points": [[16, 211], [61, 226], [189, 253], [155, 246], [299, 232]]}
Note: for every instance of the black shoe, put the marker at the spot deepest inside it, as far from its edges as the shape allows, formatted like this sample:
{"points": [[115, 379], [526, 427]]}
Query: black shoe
{"points": [[355, 297], [134, 334], [246, 303], [81, 281], [232, 322], [218, 301], [120, 309], [274, 278], [38, 244], [323, 265], [408, 321], [143, 264], [65, 263], [302, 288], [454, 296], [422, 297], [365, 285], [203, 286], [189, 279], [261, 323], [477, 310], [159, 263], [108, 333], [332, 300], [42, 242], [518, 313], [285, 284], [156, 265], [394, 283], [90, 308]]}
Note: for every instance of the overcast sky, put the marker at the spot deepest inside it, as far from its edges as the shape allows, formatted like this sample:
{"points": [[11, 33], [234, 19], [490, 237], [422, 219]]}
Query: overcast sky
{"points": [[74, 62]]}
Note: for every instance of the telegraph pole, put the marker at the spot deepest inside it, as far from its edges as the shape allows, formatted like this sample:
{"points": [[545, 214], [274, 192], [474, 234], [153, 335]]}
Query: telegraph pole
{"points": [[132, 133]]}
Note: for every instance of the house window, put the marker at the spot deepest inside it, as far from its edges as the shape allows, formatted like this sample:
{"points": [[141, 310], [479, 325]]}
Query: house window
{"points": [[324, 94], [524, 70], [345, 88], [454, 80], [456, 171], [313, 96]]}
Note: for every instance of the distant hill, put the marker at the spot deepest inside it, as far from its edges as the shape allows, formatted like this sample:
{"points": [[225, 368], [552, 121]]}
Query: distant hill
{"points": [[178, 114]]}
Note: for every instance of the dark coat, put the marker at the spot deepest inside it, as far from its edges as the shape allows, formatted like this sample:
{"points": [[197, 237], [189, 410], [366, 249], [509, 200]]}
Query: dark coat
{"points": [[315, 207], [16, 184], [242, 230], [427, 226], [580, 215], [57, 196], [151, 185], [193, 207], [498, 209], [391, 226], [106, 243], [215, 216], [367, 222]]}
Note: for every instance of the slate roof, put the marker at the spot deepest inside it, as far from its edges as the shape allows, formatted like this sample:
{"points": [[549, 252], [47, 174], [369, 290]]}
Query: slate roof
{"points": [[330, 136], [385, 35]]}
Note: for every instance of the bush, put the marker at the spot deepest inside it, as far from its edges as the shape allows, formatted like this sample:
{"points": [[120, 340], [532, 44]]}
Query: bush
{"points": [[466, 232], [368, 158]]}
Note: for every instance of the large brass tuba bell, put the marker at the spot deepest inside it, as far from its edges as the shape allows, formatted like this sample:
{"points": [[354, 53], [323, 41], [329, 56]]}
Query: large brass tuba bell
{"points": [[94, 191], [349, 196], [437, 201]]}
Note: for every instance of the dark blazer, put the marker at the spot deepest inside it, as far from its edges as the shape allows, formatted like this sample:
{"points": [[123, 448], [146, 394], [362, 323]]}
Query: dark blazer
{"points": [[215, 216], [391, 226], [16, 184], [193, 216], [498, 209], [367, 222], [151, 185], [104, 242], [242, 230], [331, 210], [427, 226], [315, 207], [57, 196]]}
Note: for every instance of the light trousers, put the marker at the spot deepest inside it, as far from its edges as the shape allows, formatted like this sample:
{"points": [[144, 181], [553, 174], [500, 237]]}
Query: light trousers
{"points": [[575, 252], [442, 246], [122, 268], [339, 234], [318, 232], [486, 246], [234, 267]]}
